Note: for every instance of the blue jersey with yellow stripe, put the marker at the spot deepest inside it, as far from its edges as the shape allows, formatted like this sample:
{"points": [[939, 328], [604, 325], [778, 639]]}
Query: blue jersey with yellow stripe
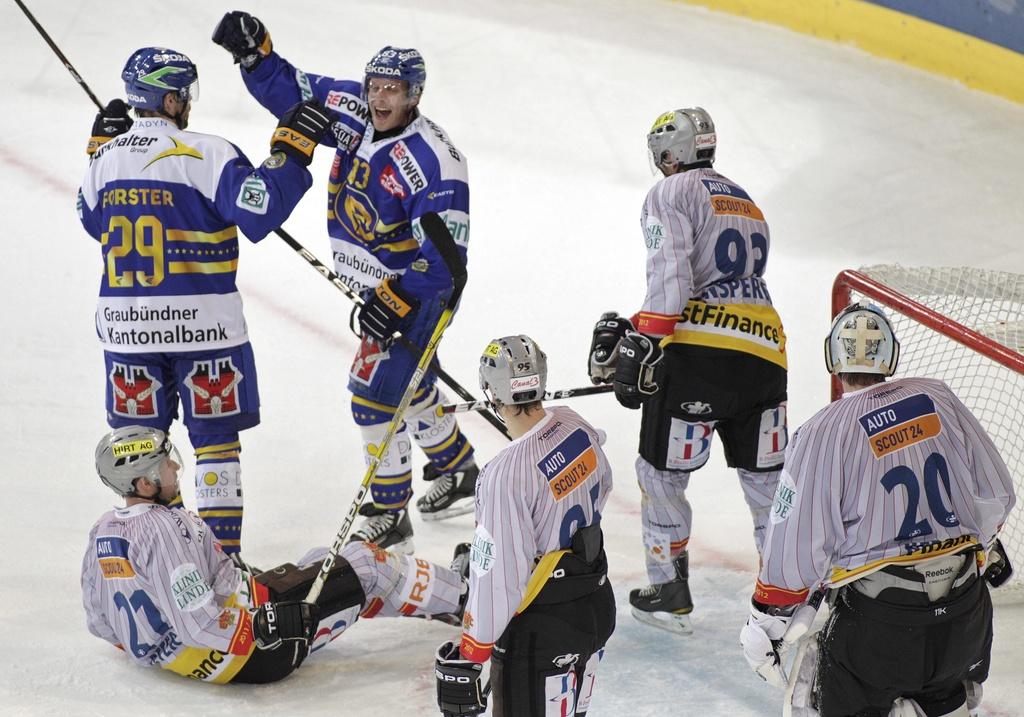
{"points": [[166, 206], [379, 187]]}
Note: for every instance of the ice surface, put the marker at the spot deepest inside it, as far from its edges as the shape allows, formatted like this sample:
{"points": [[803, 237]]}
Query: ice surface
{"points": [[854, 161]]}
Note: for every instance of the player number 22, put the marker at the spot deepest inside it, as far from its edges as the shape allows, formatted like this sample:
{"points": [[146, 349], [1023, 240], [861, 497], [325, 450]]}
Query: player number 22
{"points": [[935, 468], [140, 600]]}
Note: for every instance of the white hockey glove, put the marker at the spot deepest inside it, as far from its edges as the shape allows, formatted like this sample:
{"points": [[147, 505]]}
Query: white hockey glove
{"points": [[761, 637]]}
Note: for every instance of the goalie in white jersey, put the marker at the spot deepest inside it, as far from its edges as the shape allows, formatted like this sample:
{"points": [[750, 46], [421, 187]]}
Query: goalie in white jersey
{"points": [[157, 584], [707, 355], [540, 605], [893, 495]]}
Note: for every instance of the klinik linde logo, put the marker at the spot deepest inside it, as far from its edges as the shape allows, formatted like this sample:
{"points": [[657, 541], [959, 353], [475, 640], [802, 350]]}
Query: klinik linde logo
{"points": [[188, 588]]}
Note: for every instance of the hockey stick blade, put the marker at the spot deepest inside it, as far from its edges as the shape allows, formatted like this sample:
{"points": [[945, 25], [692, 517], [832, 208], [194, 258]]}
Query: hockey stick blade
{"points": [[412, 348], [440, 236], [548, 396]]}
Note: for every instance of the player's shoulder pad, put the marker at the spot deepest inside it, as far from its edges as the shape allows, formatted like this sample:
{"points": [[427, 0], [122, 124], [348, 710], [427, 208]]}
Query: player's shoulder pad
{"points": [[429, 142], [207, 156]]}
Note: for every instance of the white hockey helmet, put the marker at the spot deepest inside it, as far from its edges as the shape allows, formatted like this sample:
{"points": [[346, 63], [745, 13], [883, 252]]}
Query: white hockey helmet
{"points": [[685, 136], [861, 340], [126, 454], [513, 369]]}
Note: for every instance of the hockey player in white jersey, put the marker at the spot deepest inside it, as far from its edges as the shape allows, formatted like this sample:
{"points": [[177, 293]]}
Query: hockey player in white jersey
{"points": [[157, 584], [705, 354], [540, 604], [167, 205], [892, 497]]}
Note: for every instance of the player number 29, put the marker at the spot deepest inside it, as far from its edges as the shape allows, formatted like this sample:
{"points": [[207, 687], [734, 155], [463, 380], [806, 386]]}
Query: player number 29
{"points": [[146, 237]]}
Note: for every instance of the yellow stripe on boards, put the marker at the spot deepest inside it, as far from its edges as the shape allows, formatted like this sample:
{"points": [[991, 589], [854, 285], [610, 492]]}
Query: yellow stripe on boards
{"points": [[887, 33]]}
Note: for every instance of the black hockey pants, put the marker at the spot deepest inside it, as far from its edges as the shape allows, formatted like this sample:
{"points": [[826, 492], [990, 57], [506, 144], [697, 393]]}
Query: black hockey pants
{"points": [[287, 582], [548, 654], [870, 652]]}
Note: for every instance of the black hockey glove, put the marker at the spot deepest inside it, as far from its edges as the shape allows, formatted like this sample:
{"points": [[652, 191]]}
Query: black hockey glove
{"points": [[300, 129], [245, 37], [274, 623], [609, 329], [635, 373], [389, 304], [111, 121], [458, 683], [999, 569]]}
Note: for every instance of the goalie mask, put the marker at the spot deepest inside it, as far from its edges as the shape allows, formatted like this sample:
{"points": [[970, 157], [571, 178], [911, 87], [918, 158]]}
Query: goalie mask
{"points": [[133, 452], [513, 370], [682, 137], [861, 341]]}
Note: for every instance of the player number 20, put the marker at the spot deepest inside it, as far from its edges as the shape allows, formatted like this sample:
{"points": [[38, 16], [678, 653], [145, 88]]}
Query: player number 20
{"points": [[935, 469], [146, 237]]}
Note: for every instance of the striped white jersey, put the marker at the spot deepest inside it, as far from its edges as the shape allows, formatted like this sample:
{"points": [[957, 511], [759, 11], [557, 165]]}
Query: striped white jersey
{"points": [[530, 500], [707, 249], [900, 472], [156, 584]]}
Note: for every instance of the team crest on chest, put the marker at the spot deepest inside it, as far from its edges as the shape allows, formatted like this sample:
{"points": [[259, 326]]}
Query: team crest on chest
{"points": [[214, 388], [134, 390], [357, 215]]}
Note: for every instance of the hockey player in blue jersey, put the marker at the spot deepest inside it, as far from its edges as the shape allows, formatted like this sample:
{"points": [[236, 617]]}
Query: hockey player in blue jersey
{"points": [[166, 206], [392, 166]]}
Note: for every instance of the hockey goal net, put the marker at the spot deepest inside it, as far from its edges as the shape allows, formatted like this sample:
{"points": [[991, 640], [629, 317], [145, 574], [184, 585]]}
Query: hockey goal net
{"points": [[965, 327]]}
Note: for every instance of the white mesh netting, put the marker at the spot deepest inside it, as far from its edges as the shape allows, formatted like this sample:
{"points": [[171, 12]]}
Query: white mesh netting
{"points": [[992, 304]]}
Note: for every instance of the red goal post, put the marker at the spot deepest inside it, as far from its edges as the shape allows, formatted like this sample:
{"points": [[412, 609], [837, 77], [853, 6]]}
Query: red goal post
{"points": [[966, 327]]}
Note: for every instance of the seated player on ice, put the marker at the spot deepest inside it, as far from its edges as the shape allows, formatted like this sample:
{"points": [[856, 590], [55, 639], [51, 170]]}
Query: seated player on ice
{"points": [[158, 585], [892, 499]]}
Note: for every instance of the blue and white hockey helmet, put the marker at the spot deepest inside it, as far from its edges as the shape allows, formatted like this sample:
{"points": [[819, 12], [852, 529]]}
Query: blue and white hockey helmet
{"points": [[397, 63], [152, 72], [861, 340], [513, 369], [131, 452], [682, 137]]}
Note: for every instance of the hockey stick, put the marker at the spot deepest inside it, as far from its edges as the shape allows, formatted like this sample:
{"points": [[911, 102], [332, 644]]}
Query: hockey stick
{"points": [[548, 396], [60, 55], [437, 232], [799, 634], [294, 244], [324, 271]]}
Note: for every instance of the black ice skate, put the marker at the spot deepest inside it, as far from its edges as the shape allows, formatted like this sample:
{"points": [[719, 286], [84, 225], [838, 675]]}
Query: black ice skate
{"points": [[666, 605], [386, 529], [451, 494]]}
